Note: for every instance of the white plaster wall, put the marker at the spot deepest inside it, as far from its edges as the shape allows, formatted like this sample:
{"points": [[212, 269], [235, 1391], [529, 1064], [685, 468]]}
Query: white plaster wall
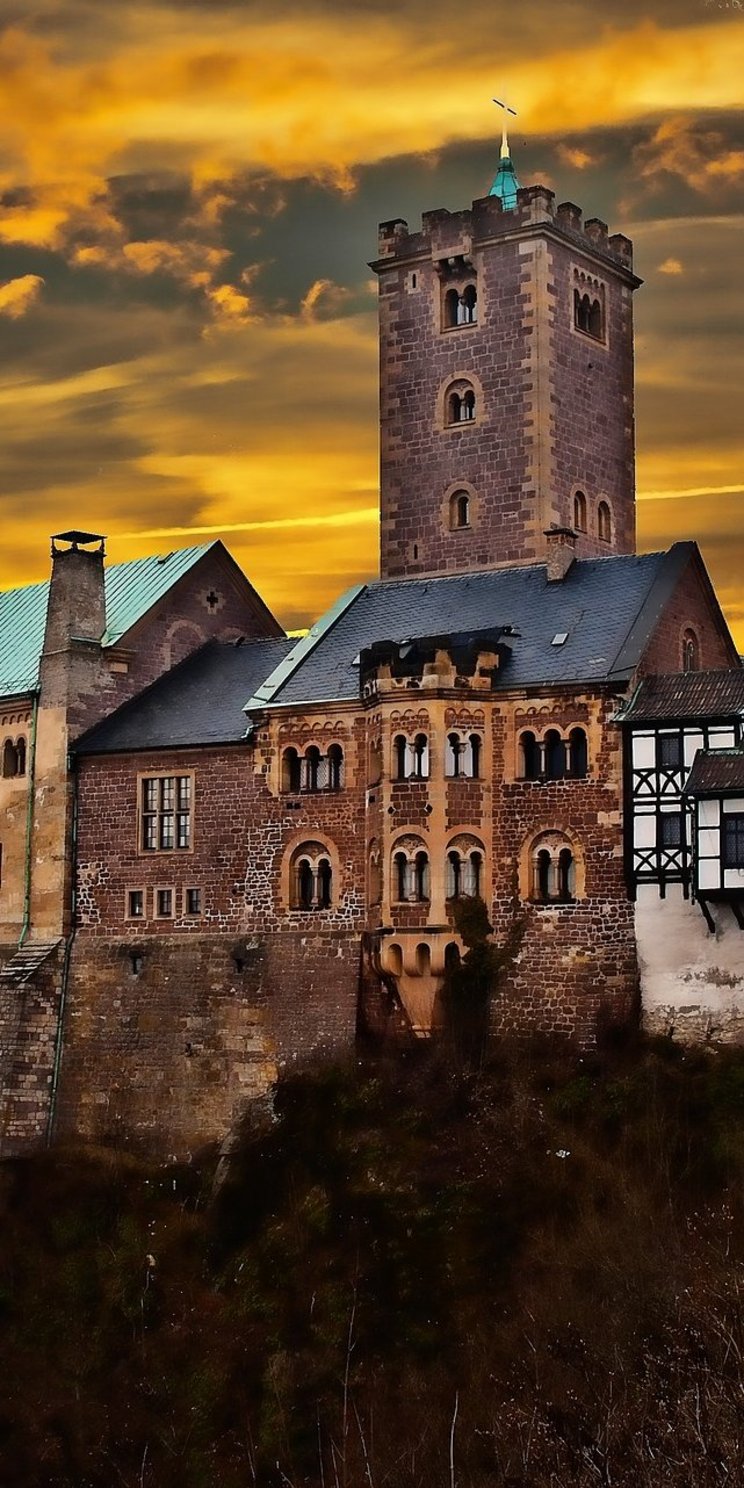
{"points": [[692, 982]]}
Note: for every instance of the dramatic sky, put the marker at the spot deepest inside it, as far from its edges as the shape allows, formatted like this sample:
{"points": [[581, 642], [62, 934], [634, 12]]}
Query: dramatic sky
{"points": [[189, 195]]}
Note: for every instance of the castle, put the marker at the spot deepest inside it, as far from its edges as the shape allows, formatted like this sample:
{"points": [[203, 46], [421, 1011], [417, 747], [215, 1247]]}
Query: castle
{"points": [[224, 850]]}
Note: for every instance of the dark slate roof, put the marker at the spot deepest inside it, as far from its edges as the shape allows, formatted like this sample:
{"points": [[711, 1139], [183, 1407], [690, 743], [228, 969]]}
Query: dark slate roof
{"points": [[607, 608], [199, 702], [716, 771], [687, 696]]}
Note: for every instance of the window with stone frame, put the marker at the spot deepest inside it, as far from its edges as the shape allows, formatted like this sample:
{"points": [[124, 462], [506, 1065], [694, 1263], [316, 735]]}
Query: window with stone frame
{"points": [[166, 813]]}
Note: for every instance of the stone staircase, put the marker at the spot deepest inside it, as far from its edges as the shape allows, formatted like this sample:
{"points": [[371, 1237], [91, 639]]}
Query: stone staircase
{"points": [[26, 962]]}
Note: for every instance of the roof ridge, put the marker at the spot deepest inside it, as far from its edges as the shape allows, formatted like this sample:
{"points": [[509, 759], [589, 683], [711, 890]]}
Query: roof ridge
{"points": [[511, 568]]}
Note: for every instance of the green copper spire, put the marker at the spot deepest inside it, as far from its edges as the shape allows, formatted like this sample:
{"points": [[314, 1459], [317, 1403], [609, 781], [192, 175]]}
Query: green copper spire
{"points": [[505, 183]]}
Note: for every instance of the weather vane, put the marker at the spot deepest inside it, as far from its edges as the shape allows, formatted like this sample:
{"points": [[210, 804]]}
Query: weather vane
{"points": [[504, 140]]}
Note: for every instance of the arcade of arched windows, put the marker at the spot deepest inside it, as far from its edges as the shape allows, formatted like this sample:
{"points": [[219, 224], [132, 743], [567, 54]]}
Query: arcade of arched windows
{"points": [[551, 869], [311, 770], [410, 757], [14, 757], [462, 755], [554, 755], [311, 877]]}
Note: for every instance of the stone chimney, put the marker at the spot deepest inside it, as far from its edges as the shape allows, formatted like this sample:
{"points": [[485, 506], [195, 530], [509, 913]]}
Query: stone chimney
{"points": [[75, 622], [561, 552]]}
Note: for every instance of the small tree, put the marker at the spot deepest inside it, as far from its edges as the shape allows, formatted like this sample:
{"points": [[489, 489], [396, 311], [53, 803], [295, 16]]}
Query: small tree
{"points": [[470, 984]]}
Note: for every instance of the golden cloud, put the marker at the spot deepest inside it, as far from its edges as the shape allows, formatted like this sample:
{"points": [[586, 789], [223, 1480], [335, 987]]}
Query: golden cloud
{"points": [[18, 295], [679, 148], [236, 93], [671, 266]]}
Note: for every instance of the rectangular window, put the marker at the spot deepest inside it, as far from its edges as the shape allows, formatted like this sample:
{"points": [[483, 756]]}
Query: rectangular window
{"points": [[165, 813], [192, 901], [670, 755], [733, 841], [670, 829], [136, 904], [164, 904]]}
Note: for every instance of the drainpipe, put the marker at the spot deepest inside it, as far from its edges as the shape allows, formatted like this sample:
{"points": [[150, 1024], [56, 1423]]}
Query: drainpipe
{"points": [[69, 942], [29, 824]]}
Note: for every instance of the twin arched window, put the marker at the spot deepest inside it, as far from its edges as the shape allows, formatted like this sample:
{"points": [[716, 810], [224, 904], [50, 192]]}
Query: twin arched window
{"points": [[411, 874], [553, 757], [459, 405], [14, 757], [313, 771], [588, 315], [462, 756], [410, 757], [311, 877], [460, 307], [464, 870], [554, 875]]}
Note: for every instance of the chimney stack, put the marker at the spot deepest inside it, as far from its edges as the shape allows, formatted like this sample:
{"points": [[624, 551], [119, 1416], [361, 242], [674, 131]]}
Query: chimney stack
{"points": [[561, 552], [75, 620]]}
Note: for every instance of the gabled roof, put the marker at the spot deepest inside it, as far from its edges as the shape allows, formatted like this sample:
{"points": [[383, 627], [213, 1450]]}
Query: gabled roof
{"points": [[716, 771], [606, 610], [198, 702], [132, 589], [687, 696]]}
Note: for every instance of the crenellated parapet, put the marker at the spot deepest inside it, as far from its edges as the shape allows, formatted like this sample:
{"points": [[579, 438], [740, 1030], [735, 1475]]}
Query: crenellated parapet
{"points": [[446, 235]]}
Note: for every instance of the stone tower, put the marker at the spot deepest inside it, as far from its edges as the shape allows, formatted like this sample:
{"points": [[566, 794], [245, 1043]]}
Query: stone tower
{"points": [[506, 384]]}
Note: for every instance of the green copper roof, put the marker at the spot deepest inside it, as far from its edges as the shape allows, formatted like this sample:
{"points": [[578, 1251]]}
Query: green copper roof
{"points": [[505, 183], [131, 590]]}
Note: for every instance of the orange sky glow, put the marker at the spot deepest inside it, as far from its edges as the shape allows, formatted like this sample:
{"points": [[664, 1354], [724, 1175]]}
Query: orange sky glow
{"points": [[189, 196]]}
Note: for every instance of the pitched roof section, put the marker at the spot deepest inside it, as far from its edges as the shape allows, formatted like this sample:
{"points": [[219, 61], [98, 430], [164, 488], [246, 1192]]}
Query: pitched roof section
{"points": [[716, 772], [605, 608], [198, 702], [131, 590], [687, 696]]}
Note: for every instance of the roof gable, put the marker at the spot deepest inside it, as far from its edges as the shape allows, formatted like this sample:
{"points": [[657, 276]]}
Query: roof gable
{"points": [[132, 588]]}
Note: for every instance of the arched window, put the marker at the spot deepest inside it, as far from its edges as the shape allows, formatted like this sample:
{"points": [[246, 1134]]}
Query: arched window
{"points": [[543, 875], [604, 522], [566, 874], [578, 755], [305, 884], [453, 756], [421, 875], [454, 875], [400, 876], [394, 959], [555, 755], [400, 750], [530, 762], [467, 407], [459, 510], [311, 768], [454, 408], [10, 759], [421, 757], [580, 511], [451, 308], [374, 875], [475, 753], [423, 959], [595, 320], [469, 303], [335, 767], [291, 770], [451, 956], [582, 310], [464, 868], [690, 651], [310, 877], [21, 756]]}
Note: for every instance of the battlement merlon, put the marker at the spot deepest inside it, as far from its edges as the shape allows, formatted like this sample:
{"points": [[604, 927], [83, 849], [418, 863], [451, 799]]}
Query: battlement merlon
{"points": [[445, 235]]}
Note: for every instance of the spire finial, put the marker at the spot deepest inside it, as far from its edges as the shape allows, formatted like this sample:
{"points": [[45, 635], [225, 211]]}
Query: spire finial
{"points": [[505, 184]]}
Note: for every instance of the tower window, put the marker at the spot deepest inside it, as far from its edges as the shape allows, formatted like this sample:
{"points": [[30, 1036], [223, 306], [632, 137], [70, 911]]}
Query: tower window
{"points": [[580, 511], [604, 522], [459, 510], [459, 405], [588, 315], [460, 307]]}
